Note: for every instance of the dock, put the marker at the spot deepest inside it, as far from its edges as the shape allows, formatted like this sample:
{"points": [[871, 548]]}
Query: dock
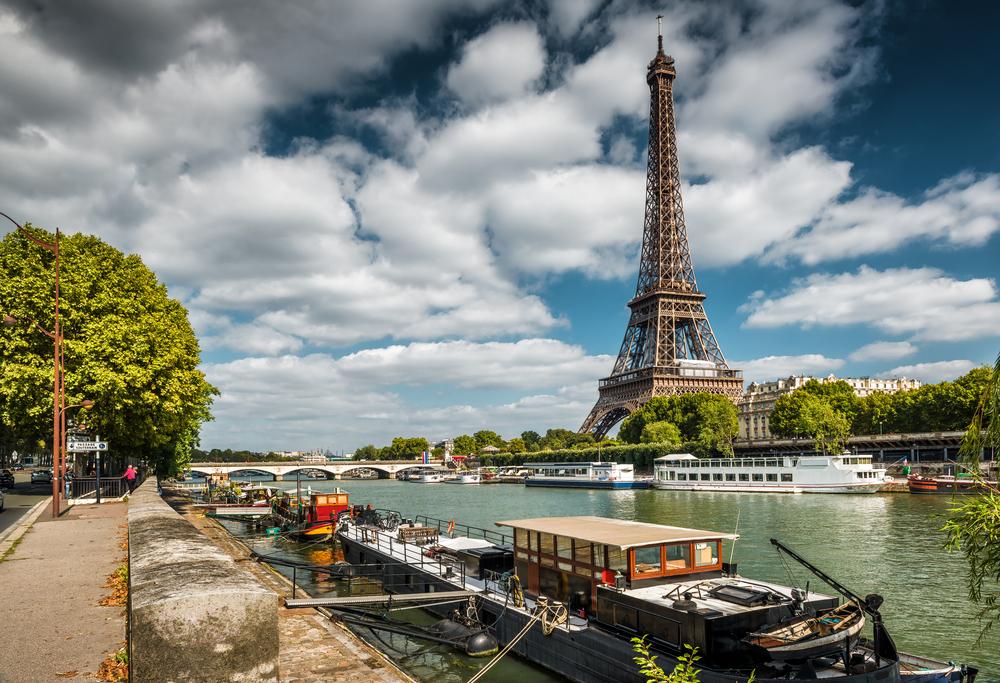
{"points": [[415, 598]]}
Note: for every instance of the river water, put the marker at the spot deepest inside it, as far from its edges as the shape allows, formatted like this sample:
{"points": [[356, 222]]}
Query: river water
{"points": [[882, 543]]}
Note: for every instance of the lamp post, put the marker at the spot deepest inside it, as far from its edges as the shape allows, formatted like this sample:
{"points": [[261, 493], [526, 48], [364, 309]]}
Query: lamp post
{"points": [[57, 386]]}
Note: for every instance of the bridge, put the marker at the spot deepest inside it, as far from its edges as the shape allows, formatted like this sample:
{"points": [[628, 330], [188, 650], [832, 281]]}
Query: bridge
{"points": [[916, 447], [285, 470]]}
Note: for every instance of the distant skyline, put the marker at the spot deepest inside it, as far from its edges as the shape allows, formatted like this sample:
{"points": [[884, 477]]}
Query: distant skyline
{"points": [[424, 218]]}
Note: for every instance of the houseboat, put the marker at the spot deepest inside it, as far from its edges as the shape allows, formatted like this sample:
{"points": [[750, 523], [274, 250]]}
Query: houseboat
{"points": [[464, 478], [575, 590], [847, 473], [312, 516], [584, 475]]}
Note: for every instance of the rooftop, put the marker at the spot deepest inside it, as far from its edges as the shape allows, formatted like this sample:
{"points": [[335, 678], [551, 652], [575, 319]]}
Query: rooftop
{"points": [[614, 532]]}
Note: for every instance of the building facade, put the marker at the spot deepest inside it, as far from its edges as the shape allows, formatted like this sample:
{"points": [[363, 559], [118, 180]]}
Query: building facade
{"points": [[754, 408]]}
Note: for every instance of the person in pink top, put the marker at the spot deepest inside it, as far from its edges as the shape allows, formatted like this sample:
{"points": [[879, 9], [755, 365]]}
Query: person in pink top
{"points": [[130, 478]]}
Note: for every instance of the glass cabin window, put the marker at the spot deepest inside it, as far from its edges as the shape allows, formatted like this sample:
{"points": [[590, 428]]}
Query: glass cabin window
{"points": [[564, 547], [520, 538], [678, 556], [744, 476], [771, 476], [547, 543], [533, 541], [617, 560], [758, 477], [581, 552], [786, 476], [647, 561], [706, 554], [681, 476]]}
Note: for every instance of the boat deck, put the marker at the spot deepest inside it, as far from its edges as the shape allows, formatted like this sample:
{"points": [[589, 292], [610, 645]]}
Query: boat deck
{"points": [[665, 595]]}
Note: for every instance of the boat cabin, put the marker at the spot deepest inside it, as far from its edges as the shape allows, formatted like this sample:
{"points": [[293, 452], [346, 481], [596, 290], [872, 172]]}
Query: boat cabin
{"points": [[326, 506], [564, 557]]}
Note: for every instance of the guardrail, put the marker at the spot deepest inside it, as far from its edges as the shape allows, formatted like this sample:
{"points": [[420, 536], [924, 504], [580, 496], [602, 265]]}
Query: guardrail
{"points": [[452, 527], [86, 487], [445, 567]]}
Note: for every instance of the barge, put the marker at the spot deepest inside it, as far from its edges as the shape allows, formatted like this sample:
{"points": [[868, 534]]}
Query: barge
{"points": [[569, 593], [950, 485]]}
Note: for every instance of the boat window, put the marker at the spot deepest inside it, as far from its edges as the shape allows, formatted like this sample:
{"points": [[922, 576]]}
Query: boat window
{"points": [[786, 476], [758, 477], [678, 556], [546, 544], [705, 476], [564, 547], [681, 476], [758, 463], [581, 553], [772, 476], [744, 476], [647, 560], [520, 538], [716, 476], [730, 477], [598, 555], [706, 554], [617, 560], [533, 541]]}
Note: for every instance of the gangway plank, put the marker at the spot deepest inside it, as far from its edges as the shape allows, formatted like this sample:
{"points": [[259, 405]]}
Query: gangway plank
{"points": [[335, 601]]}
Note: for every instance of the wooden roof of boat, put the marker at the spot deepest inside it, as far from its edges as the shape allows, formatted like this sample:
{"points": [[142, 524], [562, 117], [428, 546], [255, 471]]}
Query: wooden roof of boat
{"points": [[614, 532]]}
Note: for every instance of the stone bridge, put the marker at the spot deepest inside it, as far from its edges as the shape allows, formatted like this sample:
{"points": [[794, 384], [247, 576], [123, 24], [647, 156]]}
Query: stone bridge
{"points": [[286, 470]]}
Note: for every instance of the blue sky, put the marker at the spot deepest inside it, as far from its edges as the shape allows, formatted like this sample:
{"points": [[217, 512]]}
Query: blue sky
{"points": [[423, 218]]}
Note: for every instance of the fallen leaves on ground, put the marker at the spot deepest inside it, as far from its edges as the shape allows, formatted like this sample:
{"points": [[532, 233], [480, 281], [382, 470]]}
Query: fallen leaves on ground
{"points": [[114, 668], [118, 583]]}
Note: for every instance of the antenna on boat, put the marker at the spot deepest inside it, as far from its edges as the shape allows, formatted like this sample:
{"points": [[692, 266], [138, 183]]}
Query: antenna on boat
{"points": [[732, 549]]}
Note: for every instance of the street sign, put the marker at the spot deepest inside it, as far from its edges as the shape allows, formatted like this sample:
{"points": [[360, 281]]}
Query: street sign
{"points": [[86, 446]]}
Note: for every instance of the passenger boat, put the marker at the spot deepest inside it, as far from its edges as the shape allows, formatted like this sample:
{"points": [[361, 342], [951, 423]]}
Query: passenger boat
{"points": [[576, 589], [312, 516], [464, 478], [847, 473], [584, 475], [950, 485]]}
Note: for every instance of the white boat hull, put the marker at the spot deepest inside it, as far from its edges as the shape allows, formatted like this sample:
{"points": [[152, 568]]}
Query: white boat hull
{"points": [[766, 488]]}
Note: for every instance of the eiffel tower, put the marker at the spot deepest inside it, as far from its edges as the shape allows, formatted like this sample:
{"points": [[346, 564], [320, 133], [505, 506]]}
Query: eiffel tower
{"points": [[669, 347]]}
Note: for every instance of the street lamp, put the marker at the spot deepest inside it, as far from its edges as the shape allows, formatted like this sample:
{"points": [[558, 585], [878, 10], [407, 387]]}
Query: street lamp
{"points": [[57, 380]]}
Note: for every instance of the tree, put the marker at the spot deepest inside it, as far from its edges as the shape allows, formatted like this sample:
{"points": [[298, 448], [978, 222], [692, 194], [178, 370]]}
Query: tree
{"points": [[828, 427], [368, 452], [486, 437], [707, 421], [516, 445], [532, 440], [408, 448], [876, 413], [465, 445], [973, 526], [661, 432], [128, 347]]}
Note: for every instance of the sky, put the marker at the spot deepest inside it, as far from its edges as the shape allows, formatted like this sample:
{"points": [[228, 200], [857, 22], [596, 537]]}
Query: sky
{"points": [[401, 218]]}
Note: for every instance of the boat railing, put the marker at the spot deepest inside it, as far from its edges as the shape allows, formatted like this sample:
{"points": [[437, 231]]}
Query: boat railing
{"points": [[444, 566], [452, 528]]}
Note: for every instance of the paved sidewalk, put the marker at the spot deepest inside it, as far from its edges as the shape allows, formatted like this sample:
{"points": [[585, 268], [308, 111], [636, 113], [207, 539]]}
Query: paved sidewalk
{"points": [[50, 585]]}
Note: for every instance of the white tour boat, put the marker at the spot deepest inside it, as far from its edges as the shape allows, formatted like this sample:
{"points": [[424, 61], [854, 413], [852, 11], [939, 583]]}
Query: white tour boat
{"points": [[464, 478], [584, 475], [846, 473]]}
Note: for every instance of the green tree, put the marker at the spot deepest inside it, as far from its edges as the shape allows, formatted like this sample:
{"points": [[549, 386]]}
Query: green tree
{"points": [[684, 672], [707, 421], [973, 526], [532, 440], [409, 448], [128, 347], [465, 445], [827, 426], [368, 452], [662, 432], [876, 414], [516, 445], [486, 437]]}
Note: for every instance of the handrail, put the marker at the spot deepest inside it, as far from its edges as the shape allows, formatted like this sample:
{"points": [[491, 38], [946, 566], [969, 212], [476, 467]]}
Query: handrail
{"points": [[389, 544], [467, 530]]}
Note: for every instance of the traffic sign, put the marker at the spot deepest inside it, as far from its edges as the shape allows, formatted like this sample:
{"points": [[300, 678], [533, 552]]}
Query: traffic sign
{"points": [[86, 446]]}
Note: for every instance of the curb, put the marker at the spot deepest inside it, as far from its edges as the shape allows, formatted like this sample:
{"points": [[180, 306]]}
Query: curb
{"points": [[15, 531]]}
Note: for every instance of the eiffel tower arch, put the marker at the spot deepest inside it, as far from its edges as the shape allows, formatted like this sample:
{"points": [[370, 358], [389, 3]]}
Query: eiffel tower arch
{"points": [[669, 347]]}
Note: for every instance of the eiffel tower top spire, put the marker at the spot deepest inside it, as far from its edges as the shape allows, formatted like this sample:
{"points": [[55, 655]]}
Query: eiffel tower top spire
{"points": [[666, 259]]}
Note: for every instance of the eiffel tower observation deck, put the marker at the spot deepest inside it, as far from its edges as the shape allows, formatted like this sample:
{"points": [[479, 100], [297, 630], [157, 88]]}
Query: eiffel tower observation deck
{"points": [[669, 347]]}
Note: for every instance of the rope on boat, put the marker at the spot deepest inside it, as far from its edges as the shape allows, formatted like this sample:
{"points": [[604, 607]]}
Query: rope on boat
{"points": [[559, 615]]}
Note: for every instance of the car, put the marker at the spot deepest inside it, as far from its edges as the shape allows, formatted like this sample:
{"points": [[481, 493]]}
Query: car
{"points": [[6, 479], [17, 466], [1, 500], [41, 477]]}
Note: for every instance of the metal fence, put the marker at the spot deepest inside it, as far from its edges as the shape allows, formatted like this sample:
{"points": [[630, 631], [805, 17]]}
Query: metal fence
{"points": [[110, 487]]}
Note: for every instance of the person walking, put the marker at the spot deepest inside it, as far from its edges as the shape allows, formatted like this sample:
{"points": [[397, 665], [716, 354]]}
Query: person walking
{"points": [[130, 478]]}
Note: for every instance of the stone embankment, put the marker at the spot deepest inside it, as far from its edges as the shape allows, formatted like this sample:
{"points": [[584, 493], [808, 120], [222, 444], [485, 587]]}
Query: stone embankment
{"points": [[194, 615]]}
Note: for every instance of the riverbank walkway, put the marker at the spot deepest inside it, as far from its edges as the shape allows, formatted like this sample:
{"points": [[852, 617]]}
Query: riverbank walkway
{"points": [[51, 580]]}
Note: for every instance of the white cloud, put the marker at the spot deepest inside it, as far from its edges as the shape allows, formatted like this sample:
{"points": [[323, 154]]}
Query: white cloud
{"points": [[883, 350], [938, 371], [959, 212], [775, 367], [500, 64], [922, 302]]}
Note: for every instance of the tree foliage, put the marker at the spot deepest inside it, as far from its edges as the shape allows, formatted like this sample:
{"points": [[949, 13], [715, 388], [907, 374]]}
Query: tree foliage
{"points": [[973, 526], [486, 437], [683, 672], [128, 347], [706, 421], [661, 432], [465, 445]]}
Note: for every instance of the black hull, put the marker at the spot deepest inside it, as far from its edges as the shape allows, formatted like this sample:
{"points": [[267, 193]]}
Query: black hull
{"points": [[594, 655]]}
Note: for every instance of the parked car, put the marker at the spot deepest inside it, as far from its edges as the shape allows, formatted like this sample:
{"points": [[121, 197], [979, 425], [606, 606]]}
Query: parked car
{"points": [[17, 466], [6, 479], [1, 500], [41, 477]]}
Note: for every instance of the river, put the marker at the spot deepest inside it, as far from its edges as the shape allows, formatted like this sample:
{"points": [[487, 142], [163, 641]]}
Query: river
{"points": [[882, 543]]}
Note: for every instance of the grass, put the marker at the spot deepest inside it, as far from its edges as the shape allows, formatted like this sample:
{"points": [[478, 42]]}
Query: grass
{"points": [[11, 549]]}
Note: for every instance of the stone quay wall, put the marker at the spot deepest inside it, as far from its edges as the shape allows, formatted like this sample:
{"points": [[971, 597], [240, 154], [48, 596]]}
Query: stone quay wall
{"points": [[193, 614]]}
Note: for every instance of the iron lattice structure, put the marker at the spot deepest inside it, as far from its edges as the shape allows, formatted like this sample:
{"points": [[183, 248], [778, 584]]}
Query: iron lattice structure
{"points": [[669, 347]]}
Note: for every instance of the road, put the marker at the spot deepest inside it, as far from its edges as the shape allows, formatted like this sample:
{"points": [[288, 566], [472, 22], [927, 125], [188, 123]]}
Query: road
{"points": [[21, 498]]}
